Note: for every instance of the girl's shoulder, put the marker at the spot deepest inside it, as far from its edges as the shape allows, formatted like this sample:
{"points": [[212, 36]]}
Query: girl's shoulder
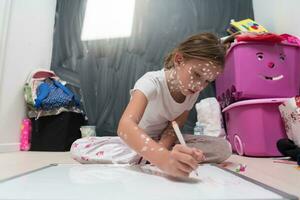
{"points": [[154, 75]]}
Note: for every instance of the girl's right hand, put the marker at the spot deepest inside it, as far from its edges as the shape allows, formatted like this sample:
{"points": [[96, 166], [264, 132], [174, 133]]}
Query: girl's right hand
{"points": [[181, 161]]}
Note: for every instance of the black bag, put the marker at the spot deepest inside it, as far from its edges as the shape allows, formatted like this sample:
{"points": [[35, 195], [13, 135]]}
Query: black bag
{"points": [[56, 132]]}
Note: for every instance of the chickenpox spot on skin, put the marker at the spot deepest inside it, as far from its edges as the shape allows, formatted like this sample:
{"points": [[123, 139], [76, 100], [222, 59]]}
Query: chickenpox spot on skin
{"points": [[160, 149], [147, 140], [144, 148]]}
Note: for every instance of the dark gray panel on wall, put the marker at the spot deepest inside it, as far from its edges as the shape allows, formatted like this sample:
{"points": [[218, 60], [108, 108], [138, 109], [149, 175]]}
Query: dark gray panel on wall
{"points": [[105, 70]]}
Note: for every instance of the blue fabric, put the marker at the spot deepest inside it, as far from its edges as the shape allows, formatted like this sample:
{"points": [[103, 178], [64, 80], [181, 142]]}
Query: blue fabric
{"points": [[67, 91], [52, 94], [42, 91]]}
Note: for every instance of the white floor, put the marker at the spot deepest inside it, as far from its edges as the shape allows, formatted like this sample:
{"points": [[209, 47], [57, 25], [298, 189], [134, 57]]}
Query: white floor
{"points": [[285, 177]]}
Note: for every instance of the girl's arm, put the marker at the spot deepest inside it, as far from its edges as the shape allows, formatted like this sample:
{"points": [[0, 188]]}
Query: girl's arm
{"points": [[168, 136], [178, 162], [134, 136]]}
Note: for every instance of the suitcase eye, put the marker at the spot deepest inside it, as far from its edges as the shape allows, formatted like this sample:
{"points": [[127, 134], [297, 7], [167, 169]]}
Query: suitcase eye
{"points": [[282, 57], [260, 56]]}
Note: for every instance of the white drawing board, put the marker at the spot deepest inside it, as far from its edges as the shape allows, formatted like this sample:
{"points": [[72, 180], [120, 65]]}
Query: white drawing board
{"points": [[122, 182]]}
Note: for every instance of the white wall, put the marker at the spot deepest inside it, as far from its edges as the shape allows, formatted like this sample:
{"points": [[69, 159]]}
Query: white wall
{"points": [[278, 16], [28, 45]]}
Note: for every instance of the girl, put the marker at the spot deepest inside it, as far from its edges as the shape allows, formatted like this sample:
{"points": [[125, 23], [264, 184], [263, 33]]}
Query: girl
{"points": [[160, 97]]}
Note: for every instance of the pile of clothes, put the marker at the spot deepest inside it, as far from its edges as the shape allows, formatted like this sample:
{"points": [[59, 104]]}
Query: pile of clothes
{"points": [[54, 111], [46, 94]]}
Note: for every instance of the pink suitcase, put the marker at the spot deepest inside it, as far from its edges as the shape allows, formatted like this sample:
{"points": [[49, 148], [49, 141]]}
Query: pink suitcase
{"points": [[255, 126], [259, 70]]}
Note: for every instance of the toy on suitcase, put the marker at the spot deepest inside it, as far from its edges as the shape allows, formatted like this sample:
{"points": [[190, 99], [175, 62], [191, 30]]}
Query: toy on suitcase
{"points": [[255, 126], [259, 69]]}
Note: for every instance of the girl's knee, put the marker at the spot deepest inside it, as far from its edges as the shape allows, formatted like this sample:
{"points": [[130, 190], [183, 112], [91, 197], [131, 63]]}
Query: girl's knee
{"points": [[216, 150], [223, 150]]}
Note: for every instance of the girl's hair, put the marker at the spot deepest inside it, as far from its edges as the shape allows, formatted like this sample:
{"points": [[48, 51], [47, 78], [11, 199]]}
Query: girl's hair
{"points": [[203, 46]]}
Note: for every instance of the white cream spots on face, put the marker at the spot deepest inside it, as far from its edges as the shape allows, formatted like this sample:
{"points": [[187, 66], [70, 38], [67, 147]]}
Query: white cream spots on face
{"points": [[152, 149], [121, 133], [160, 149], [125, 136], [130, 116], [136, 128]]}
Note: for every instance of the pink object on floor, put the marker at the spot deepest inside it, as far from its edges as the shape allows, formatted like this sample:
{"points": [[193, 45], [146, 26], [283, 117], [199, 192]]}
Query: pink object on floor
{"points": [[25, 135], [255, 126], [256, 70]]}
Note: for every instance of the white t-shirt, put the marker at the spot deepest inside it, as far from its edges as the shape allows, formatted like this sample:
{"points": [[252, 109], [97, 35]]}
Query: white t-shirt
{"points": [[161, 107]]}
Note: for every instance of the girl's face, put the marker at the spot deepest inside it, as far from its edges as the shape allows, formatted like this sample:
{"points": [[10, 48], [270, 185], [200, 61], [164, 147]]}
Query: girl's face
{"points": [[194, 75]]}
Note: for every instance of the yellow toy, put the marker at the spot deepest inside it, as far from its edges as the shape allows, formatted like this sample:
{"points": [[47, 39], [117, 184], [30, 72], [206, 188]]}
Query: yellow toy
{"points": [[246, 25]]}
